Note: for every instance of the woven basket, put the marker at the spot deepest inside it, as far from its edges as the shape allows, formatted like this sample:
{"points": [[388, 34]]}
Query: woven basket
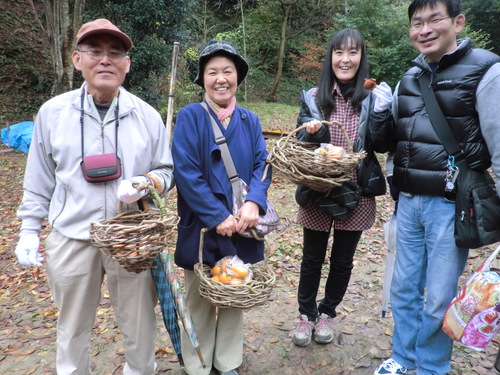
{"points": [[243, 296], [298, 161], [135, 238]]}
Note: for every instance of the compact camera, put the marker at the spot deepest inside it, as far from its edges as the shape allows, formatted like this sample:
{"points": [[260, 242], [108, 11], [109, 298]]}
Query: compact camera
{"points": [[101, 168]]}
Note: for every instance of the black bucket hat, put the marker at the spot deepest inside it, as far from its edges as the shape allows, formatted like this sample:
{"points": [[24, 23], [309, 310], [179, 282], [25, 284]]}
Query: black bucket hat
{"points": [[221, 48]]}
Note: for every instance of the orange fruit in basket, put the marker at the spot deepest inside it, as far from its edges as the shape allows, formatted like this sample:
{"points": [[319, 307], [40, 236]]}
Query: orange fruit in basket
{"points": [[241, 271], [335, 152], [224, 278], [215, 278], [216, 270], [223, 264]]}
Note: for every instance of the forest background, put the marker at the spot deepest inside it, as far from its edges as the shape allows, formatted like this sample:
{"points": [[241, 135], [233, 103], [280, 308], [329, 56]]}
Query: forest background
{"points": [[284, 42]]}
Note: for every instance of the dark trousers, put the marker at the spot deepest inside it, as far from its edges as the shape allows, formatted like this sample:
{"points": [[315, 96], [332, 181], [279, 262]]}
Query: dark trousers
{"points": [[341, 258]]}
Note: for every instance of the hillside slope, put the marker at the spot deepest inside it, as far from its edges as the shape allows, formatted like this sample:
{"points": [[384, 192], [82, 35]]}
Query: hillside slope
{"points": [[25, 66]]}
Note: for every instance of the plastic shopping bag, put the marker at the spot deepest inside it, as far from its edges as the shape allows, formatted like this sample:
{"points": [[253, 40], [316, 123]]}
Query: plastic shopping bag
{"points": [[473, 317]]}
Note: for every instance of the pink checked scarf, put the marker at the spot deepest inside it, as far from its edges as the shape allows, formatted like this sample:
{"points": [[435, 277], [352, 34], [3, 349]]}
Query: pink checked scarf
{"points": [[223, 114]]}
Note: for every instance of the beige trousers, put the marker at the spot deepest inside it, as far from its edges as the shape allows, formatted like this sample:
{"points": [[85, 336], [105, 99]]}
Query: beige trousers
{"points": [[219, 331], [75, 271]]}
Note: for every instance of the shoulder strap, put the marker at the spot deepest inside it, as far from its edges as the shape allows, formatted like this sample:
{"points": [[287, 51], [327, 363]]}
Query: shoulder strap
{"points": [[439, 122], [220, 140]]}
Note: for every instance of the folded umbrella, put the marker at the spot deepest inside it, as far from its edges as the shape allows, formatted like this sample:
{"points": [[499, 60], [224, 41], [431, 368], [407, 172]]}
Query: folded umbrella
{"points": [[167, 306], [180, 304], [390, 241]]}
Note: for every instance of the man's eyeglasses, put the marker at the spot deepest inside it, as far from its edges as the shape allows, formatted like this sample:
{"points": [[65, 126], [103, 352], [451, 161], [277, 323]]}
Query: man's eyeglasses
{"points": [[98, 55], [434, 22]]}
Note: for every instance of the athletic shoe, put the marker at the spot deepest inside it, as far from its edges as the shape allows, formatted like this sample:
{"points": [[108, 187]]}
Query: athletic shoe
{"points": [[391, 367], [303, 331], [323, 331]]}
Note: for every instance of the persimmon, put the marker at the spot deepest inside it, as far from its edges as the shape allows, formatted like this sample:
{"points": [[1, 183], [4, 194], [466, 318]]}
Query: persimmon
{"points": [[224, 278], [216, 278], [216, 270], [241, 271], [370, 83]]}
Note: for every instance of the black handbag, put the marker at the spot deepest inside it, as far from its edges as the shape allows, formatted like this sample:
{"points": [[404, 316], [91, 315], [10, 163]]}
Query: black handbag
{"points": [[370, 176], [477, 212], [341, 202]]}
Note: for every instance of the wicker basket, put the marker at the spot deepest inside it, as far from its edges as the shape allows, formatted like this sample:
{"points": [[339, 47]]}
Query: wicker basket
{"points": [[298, 161], [135, 238], [243, 296]]}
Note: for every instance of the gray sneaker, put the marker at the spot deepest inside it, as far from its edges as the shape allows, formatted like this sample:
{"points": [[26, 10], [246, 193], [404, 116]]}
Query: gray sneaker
{"points": [[324, 329], [303, 331]]}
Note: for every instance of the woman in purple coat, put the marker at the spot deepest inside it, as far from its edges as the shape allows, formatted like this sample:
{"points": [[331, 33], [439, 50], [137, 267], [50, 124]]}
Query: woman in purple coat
{"points": [[205, 200]]}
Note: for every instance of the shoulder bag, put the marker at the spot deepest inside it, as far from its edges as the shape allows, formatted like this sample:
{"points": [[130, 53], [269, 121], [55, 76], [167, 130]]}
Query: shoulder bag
{"points": [[477, 212], [267, 222], [370, 175]]}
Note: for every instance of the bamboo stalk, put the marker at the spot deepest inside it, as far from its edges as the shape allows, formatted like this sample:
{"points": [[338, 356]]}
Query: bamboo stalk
{"points": [[171, 93]]}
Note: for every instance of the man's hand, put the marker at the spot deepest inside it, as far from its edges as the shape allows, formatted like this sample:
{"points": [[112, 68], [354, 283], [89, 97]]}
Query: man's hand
{"points": [[27, 250], [127, 193], [383, 97]]}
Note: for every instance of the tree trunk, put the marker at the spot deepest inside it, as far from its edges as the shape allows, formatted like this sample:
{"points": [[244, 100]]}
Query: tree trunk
{"points": [[281, 55], [244, 47], [61, 28]]}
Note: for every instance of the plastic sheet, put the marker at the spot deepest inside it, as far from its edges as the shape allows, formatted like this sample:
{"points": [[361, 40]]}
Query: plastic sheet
{"points": [[18, 136]]}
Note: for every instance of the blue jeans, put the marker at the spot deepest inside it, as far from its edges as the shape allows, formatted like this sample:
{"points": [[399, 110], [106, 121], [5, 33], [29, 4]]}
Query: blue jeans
{"points": [[426, 272]]}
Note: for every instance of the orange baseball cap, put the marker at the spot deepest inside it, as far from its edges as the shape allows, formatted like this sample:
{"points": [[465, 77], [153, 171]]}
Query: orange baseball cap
{"points": [[102, 26]]}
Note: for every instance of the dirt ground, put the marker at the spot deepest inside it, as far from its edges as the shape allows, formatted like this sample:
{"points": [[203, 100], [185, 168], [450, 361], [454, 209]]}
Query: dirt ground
{"points": [[28, 316]]}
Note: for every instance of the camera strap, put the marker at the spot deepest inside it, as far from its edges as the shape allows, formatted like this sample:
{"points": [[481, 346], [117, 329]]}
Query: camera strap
{"points": [[117, 124]]}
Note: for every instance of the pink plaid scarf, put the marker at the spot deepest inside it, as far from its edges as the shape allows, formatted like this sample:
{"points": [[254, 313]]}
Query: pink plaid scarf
{"points": [[223, 114]]}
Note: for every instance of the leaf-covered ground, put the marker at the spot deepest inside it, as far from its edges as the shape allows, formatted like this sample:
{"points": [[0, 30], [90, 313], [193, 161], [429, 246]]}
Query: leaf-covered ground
{"points": [[28, 316]]}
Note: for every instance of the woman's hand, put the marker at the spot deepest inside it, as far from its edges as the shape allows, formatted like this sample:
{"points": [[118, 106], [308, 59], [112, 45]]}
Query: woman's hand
{"points": [[227, 227], [312, 126], [248, 216], [383, 97]]}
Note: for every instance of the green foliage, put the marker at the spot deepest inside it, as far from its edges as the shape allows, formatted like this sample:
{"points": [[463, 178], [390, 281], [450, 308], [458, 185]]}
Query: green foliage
{"points": [[275, 116], [153, 27], [483, 15], [383, 24]]}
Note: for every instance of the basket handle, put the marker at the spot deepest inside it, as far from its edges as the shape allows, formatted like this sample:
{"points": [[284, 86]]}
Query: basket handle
{"points": [[344, 132], [152, 191], [202, 239]]}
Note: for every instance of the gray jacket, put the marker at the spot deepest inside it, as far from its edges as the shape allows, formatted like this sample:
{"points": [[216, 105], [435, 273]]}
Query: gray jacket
{"points": [[54, 186]]}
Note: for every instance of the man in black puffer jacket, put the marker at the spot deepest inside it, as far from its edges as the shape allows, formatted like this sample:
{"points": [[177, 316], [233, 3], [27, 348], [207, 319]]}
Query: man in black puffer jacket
{"points": [[428, 263]]}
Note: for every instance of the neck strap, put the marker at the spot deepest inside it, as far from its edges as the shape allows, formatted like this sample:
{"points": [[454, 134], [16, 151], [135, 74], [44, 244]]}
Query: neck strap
{"points": [[82, 115]]}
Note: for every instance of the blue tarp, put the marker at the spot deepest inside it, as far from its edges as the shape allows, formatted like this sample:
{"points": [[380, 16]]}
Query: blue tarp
{"points": [[18, 136]]}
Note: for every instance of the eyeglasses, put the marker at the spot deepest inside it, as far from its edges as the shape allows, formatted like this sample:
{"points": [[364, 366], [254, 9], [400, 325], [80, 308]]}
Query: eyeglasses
{"points": [[98, 55], [434, 22]]}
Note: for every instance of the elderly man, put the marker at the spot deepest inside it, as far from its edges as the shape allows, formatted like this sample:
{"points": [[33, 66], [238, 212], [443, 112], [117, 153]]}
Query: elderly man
{"points": [[89, 145]]}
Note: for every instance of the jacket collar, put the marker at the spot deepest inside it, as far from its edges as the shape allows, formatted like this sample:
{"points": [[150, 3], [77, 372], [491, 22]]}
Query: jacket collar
{"points": [[124, 97], [464, 45]]}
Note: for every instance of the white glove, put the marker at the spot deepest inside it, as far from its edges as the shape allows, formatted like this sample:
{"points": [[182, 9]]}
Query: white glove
{"points": [[383, 97], [27, 250], [127, 193]]}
